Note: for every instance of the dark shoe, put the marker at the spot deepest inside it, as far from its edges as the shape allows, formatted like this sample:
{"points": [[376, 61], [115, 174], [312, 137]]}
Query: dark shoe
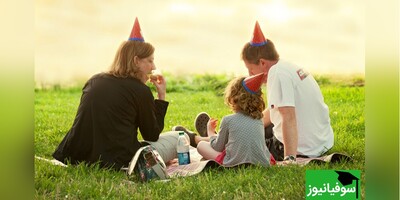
{"points": [[191, 134], [201, 123]]}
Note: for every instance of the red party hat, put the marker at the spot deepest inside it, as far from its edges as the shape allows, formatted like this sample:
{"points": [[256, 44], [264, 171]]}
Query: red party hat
{"points": [[258, 36], [253, 83], [136, 33]]}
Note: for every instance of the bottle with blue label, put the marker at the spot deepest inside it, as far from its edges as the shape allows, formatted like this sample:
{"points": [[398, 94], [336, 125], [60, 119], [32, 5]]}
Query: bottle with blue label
{"points": [[183, 149]]}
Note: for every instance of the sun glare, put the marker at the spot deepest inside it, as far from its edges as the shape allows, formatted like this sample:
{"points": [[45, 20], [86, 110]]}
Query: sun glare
{"points": [[181, 8], [277, 12]]}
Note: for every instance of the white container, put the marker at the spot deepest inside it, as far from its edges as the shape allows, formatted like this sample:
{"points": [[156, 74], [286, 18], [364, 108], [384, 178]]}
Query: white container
{"points": [[183, 149]]}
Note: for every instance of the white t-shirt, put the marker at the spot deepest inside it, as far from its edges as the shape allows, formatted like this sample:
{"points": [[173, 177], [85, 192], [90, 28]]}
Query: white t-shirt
{"points": [[289, 85]]}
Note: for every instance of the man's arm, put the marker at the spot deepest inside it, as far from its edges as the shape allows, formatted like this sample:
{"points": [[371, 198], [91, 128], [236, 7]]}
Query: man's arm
{"points": [[289, 130], [266, 117]]}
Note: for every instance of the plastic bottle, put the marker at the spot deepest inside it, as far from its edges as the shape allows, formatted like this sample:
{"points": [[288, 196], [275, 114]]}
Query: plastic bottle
{"points": [[183, 149]]}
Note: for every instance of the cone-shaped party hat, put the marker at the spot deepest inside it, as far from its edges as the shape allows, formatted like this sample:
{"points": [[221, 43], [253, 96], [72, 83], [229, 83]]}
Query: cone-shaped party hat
{"points": [[258, 36], [253, 83], [136, 33]]}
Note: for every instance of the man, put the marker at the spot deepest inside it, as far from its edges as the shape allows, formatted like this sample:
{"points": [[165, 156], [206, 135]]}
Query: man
{"points": [[296, 119]]}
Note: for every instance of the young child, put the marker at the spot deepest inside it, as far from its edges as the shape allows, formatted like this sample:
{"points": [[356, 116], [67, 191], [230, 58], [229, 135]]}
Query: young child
{"points": [[241, 136]]}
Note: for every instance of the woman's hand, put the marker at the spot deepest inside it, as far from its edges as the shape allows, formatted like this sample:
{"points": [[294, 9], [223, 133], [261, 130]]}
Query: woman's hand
{"points": [[161, 85], [211, 126]]}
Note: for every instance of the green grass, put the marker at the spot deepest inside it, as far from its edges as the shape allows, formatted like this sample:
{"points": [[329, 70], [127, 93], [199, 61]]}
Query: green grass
{"points": [[55, 109]]}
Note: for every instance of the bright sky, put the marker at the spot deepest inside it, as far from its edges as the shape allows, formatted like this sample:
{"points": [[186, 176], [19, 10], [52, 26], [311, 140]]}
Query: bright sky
{"points": [[76, 39]]}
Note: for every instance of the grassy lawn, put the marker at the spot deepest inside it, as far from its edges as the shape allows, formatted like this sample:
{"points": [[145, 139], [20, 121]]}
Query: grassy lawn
{"points": [[55, 109]]}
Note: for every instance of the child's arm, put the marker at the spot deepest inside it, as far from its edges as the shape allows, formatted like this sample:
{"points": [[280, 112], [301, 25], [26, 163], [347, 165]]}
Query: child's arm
{"points": [[211, 126], [218, 142]]}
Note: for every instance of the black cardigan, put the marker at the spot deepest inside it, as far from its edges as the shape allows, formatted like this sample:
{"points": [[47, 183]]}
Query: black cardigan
{"points": [[106, 125]]}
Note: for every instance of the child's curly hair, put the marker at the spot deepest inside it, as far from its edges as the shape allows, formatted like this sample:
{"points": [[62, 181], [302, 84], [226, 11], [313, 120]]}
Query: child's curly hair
{"points": [[240, 100]]}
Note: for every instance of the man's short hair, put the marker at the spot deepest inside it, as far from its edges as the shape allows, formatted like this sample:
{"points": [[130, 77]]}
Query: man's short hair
{"points": [[253, 54]]}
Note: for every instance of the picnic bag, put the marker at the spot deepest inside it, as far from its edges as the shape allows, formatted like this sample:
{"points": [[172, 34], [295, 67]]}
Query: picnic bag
{"points": [[147, 164]]}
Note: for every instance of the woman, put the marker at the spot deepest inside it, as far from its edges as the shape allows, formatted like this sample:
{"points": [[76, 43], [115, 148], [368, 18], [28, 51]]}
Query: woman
{"points": [[114, 105]]}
